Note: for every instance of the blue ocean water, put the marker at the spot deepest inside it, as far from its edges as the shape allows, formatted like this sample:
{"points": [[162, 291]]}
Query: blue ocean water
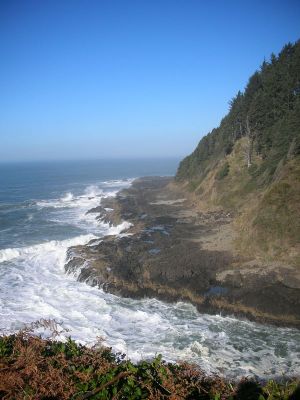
{"points": [[43, 211], [24, 186]]}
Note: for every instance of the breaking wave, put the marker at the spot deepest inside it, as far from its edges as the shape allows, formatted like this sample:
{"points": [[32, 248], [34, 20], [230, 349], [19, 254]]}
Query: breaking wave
{"points": [[34, 286]]}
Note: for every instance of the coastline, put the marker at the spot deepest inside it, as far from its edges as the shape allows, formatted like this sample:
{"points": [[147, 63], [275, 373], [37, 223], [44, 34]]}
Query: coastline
{"points": [[177, 251]]}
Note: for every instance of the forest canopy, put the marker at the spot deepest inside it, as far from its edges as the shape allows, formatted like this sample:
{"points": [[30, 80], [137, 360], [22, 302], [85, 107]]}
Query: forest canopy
{"points": [[267, 112]]}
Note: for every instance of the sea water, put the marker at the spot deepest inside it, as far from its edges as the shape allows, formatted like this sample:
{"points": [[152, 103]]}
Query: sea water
{"points": [[43, 211]]}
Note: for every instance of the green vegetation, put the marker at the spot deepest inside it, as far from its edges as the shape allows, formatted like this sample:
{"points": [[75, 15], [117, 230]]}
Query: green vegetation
{"points": [[267, 113], [250, 164], [33, 368], [275, 222], [223, 171]]}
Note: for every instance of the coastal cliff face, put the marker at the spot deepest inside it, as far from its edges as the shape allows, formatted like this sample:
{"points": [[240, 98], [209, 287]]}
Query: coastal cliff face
{"points": [[224, 235], [250, 164]]}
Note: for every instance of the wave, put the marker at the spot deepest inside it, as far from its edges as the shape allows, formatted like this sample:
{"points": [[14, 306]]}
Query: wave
{"points": [[73, 211], [71, 208], [92, 195], [55, 245], [52, 245], [68, 197], [118, 182], [8, 254], [34, 286], [37, 286]]}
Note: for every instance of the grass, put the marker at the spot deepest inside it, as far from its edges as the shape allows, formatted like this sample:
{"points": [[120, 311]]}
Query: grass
{"points": [[267, 214], [44, 369], [223, 171], [270, 225], [228, 183]]}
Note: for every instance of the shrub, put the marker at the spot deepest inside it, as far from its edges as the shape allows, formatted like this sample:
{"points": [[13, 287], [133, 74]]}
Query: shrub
{"points": [[34, 368], [223, 171]]}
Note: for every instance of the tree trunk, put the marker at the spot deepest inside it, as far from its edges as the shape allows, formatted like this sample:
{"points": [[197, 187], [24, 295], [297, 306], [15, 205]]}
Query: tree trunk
{"points": [[250, 138]]}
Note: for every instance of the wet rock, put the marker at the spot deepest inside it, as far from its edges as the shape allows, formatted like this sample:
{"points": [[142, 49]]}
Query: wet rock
{"points": [[178, 252]]}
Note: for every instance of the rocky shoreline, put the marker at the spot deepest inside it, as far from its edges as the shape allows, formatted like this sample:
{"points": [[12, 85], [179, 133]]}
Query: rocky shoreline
{"points": [[175, 250]]}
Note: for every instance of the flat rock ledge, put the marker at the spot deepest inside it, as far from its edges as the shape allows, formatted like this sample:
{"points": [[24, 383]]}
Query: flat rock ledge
{"points": [[174, 251]]}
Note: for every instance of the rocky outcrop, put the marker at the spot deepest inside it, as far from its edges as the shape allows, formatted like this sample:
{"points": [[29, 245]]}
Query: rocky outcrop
{"points": [[175, 251]]}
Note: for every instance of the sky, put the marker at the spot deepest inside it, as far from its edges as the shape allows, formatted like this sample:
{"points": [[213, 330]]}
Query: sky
{"points": [[125, 78]]}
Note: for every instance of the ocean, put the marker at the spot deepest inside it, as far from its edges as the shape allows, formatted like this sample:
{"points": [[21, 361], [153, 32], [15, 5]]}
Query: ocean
{"points": [[43, 211]]}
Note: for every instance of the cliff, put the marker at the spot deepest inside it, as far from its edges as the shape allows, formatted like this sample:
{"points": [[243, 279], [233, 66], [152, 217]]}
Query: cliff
{"points": [[225, 234], [250, 164]]}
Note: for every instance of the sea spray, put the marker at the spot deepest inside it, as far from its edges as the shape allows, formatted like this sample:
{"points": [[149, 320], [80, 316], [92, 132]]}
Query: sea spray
{"points": [[34, 285]]}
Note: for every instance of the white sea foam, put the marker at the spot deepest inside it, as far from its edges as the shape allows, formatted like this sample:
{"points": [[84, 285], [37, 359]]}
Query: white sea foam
{"points": [[72, 209], [34, 285], [8, 254], [31, 251], [118, 183], [89, 198], [68, 197]]}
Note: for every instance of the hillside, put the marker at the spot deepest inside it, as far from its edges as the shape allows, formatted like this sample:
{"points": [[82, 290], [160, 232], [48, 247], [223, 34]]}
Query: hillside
{"points": [[224, 235], [250, 164]]}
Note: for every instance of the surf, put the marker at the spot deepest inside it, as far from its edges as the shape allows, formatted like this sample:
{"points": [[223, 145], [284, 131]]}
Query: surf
{"points": [[34, 285]]}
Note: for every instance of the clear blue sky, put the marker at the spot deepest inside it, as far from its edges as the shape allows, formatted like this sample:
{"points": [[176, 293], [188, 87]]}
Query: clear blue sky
{"points": [[125, 78]]}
